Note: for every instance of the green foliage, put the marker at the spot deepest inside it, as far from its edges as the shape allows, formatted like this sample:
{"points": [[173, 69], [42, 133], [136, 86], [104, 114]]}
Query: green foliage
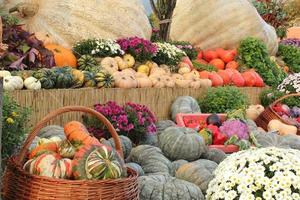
{"points": [[202, 67], [154, 21], [268, 96], [254, 54], [291, 56], [187, 47], [14, 126], [223, 99], [237, 114], [8, 19]]}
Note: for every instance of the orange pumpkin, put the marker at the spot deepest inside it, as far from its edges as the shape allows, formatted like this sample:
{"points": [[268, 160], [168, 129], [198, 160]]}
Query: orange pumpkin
{"points": [[218, 63], [225, 76], [219, 52], [250, 78], [216, 79], [227, 56], [62, 56], [259, 82], [237, 79], [232, 65], [209, 55], [204, 74]]}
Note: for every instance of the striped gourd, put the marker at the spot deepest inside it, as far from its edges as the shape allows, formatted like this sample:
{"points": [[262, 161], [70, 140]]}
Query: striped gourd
{"points": [[97, 162]]}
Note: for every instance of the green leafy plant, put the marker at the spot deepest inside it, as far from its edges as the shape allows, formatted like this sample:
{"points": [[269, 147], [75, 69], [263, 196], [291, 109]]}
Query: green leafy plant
{"points": [[202, 67], [14, 126], [223, 99], [291, 56], [253, 53], [268, 96]]}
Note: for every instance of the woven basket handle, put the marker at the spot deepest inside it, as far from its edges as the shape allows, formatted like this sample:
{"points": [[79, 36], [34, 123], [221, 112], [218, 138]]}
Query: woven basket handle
{"points": [[55, 113], [284, 97]]}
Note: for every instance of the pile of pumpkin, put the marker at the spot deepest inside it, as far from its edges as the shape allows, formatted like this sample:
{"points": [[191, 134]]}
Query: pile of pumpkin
{"points": [[220, 67], [71, 153]]}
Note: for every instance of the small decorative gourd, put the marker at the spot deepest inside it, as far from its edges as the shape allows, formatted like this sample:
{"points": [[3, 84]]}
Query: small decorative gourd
{"points": [[32, 83], [169, 82], [11, 83], [109, 64], [66, 149], [97, 162], [121, 63], [125, 80], [50, 165], [157, 80]]}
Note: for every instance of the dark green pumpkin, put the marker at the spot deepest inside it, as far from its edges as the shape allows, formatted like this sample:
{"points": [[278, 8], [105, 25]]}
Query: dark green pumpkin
{"points": [[85, 62], [64, 77], [46, 77], [184, 104], [165, 187], [215, 155], [151, 159]]}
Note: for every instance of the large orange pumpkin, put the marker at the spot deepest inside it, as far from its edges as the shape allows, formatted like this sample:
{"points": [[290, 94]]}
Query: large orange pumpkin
{"points": [[62, 56]]}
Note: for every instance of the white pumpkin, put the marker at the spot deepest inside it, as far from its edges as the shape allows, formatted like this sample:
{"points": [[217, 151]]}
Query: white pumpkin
{"points": [[184, 70], [210, 24], [109, 64], [32, 83], [69, 21], [4, 73], [11, 83]]}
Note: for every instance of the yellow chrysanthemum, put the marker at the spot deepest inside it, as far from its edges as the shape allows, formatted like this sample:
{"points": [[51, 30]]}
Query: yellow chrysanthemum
{"points": [[10, 120]]}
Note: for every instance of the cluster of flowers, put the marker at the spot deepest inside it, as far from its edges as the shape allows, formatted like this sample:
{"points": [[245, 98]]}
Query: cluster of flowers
{"points": [[102, 48], [168, 54], [256, 174], [141, 49], [133, 120], [290, 84]]}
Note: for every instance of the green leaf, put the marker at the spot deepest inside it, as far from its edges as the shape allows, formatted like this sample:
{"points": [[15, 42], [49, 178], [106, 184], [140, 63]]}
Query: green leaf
{"points": [[25, 48]]}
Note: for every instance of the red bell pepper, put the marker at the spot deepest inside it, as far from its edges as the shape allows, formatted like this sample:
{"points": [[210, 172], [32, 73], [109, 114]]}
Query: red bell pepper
{"points": [[218, 137]]}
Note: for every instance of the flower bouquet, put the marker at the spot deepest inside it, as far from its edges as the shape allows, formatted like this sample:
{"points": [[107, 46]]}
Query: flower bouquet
{"points": [[257, 174]]}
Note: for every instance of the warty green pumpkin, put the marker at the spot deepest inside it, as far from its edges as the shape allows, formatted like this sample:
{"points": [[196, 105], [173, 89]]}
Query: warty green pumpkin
{"points": [[46, 77], [63, 77], [184, 104], [151, 159], [165, 187], [199, 172], [97, 162], [163, 124], [181, 143]]}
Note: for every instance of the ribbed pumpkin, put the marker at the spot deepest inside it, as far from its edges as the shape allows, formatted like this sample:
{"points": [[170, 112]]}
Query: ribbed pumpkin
{"points": [[184, 104], [176, 164], [63, 77], [165, 187], [111, 19], [85, 62], [215, 155], [97, 162], [199, 173], [104, 80], [78, 135], [125, 142], [196, 21], [181, 143], [151, 159], [46, 77], [50, 165], [136, 167], [275, 140], [62, 56], [164, 124], [89, 79]]}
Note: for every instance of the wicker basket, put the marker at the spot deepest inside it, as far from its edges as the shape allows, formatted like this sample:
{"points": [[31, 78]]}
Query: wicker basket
{"points": [[269, 114], [20, 185]]}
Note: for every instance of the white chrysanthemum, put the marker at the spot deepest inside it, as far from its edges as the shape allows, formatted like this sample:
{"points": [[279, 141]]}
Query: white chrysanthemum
{"points": [[290, 84], [266, 173]]}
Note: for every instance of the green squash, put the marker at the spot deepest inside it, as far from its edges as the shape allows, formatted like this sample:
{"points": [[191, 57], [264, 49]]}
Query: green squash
{"points": [[85, 62], [93, 162], [46, 77], [151, 159], [64, 77], [176, 164], [165, 187], [181, 143], [215, 155], [199, 172], [125, 143], [184, 104], [89, 79], [136, 167], [164, 124], [104, 80]]}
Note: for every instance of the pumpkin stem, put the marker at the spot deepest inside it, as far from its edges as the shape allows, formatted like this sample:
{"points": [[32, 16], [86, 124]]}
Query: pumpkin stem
{"points": [[25, 9]]}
